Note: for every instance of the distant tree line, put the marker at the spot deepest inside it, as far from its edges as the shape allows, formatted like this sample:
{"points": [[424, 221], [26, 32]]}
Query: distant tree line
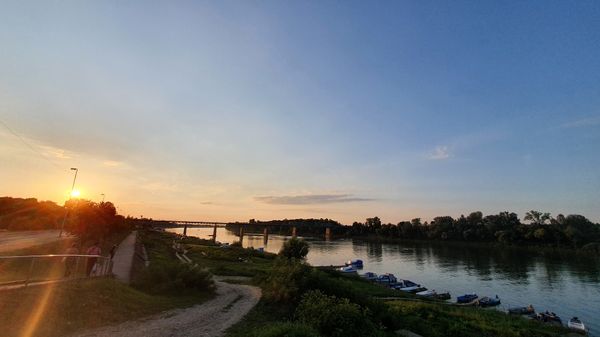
{"points": [[304, 227], [88, 220], [573, 230]]}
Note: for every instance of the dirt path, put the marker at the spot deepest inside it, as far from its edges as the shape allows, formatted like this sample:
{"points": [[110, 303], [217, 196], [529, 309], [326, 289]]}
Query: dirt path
{"points": [[10, 240], [211, 318], [123, 260]]}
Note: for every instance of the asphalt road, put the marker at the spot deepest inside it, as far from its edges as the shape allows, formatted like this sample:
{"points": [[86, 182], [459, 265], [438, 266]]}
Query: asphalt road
{"points": [[10, 240]]}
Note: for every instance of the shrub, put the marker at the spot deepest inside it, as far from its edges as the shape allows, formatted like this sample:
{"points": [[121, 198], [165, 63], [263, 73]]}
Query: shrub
{"points": [[173, 277], [286, 329], [286, 281], [294, 248], [335, 317]]}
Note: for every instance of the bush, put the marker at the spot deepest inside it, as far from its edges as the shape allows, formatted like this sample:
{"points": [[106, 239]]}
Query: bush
{"points": [[286, 329], [335, 317], [173, 277], [294, 248], [286, 281]]}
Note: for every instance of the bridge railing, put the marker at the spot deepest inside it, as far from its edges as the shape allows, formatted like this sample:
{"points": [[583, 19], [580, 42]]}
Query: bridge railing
{"points": [[26, 269]]}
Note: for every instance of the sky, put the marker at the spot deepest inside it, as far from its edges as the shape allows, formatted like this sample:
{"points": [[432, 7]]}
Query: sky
{"points": [[232, 110]]}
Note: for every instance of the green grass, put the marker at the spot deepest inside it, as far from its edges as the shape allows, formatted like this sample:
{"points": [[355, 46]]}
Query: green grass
{"points": [[78, 305], [230, 261], [435, 320], [261, 315]]}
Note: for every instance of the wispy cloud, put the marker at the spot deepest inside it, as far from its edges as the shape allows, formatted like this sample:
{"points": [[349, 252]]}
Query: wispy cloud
{"points": [[440, 153], [112, 163], [592, 121], [310, 199], [50, 151]]}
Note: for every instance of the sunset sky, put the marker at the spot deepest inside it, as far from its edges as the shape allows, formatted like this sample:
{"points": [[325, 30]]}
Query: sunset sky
{"points": [[231, 110]]}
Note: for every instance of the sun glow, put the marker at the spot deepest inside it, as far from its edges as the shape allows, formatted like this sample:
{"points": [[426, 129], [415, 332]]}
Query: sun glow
{"points": [[75, 194]]}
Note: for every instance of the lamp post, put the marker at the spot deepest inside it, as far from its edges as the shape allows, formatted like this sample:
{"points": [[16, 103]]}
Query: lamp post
{"points": [[102, 194], [62, 227]]}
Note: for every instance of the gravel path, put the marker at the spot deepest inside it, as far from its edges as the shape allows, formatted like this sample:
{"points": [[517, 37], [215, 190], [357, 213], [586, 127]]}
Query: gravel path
{"points": [[212, 318]]}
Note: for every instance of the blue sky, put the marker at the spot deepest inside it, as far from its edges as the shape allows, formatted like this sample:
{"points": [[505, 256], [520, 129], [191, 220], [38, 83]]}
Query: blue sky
{"points": [[265, 109]]}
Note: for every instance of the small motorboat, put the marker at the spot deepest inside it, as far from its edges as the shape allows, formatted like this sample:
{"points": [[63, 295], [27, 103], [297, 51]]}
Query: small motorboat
{"points": [[426, 293], [528, 310], [577, 325], [489, 301], [434, 295], [408, 286], [369, 276], [348, 270], [388, 279], [467, 298], [548, 317], [358, 264]]}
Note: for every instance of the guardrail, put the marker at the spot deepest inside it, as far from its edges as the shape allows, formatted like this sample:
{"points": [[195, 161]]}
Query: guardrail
{"points": [[25, 269]]}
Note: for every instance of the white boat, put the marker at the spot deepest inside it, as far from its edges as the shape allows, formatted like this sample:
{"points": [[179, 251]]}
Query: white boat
{"points": [[576, 324], [427, 293], [348, 270], [408, 286]]}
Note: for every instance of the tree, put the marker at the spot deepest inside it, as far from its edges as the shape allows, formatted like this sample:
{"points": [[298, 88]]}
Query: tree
{"points": [[537, 218], [294, 248]]}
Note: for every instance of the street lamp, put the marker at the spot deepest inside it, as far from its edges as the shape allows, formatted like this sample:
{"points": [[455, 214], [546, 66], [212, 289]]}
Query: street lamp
{"points": [[62, 227], [102, 194]]}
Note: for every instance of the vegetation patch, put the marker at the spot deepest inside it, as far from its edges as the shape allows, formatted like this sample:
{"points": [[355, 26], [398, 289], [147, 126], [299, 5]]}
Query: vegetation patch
{"points": [[68, 307], [435, 320]]}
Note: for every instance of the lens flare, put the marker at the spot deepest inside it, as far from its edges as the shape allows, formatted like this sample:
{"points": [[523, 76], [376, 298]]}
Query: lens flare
{"points": [[75, 193]]}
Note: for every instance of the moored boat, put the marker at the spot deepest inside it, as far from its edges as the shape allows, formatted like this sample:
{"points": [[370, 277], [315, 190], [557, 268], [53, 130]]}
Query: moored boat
{"points": [[434, 294], [408, 286], [348, 270], [467, 298], [577, 325], [489, 301], [528, 310], [358, 264], [388, 279], [548, 317], [369, 276]]}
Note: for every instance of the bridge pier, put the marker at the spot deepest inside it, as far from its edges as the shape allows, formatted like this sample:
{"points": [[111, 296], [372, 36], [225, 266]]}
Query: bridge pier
{"points": [[241, 234], [294, 231], [327, 233], [265, 235], [185, 230], [214, 235]]}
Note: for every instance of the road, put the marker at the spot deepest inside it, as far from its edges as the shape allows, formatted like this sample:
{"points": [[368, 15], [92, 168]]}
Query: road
{"points": [[209, 319], [10, 241]]}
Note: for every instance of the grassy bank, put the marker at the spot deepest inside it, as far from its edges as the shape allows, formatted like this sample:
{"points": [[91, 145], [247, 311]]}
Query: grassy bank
{"points": [[59, 309]]}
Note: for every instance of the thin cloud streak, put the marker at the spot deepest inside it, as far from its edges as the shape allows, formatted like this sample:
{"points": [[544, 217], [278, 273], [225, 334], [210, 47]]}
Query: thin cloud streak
{"points": [[592, 121], [310, 199]]}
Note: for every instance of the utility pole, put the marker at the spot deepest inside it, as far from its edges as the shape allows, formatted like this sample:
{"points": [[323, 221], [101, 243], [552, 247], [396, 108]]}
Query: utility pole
{"points": [[62, 227]]}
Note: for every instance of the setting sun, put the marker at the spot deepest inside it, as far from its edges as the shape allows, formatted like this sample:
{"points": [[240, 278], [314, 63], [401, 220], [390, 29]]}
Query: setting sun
{"points": [[75, 193]]}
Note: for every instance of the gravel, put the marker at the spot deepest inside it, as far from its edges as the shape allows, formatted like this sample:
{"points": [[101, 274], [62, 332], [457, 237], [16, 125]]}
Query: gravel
{"points": [[212, 318]]}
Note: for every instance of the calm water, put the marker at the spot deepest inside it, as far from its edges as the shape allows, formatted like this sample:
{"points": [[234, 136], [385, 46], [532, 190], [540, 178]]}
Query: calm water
{"points": [[566, 284]]}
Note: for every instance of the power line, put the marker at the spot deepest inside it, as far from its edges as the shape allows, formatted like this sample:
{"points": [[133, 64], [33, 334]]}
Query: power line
{"points": [[31, 147]]}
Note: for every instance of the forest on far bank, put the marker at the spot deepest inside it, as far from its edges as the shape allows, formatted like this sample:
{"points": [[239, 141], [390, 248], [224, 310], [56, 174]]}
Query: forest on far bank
{"points": [[96, 220]]}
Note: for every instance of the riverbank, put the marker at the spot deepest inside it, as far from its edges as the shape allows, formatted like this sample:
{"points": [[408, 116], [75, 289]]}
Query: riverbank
{"points": [[338, 300]]}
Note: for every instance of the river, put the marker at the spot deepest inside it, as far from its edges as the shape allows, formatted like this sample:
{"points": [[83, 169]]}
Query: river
{"points": [[566, 284]]}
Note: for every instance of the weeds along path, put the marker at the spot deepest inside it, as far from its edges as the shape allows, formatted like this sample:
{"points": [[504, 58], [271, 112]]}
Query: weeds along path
{"points": [[212, 318]]}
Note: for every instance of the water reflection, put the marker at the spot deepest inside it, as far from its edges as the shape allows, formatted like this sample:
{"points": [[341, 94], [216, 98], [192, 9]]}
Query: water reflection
{"points": [[564, 283]]}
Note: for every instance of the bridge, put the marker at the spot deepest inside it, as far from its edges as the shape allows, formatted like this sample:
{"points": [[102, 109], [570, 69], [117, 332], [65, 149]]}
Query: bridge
{"points": [[215, 224]]}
